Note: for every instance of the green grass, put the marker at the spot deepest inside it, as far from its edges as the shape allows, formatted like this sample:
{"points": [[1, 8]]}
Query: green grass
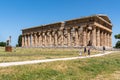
{"points": [[21, 54], [80, 69]]}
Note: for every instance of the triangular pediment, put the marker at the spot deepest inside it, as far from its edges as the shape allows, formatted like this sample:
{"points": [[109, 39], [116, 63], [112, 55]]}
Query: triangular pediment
{"points": [[104, 17]]}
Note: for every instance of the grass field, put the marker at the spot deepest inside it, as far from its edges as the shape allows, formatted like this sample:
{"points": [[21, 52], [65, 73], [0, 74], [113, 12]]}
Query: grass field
{"points": [[21, 54], [100, 68]]}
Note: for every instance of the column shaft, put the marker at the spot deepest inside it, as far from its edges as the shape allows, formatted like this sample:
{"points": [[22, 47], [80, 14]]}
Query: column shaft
{"points": [[68, 38], [23, 41], [55, 38], [28, 40], [94, 37], [76, 37], [84, 38], [98, 37]]}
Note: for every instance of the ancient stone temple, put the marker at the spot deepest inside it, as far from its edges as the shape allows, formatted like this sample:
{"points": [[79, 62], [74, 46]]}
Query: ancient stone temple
{"points": [[93, 30]]}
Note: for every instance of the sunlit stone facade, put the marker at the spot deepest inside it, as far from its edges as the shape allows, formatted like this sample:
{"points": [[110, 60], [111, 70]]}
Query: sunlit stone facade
{"points": [[93, 30]]}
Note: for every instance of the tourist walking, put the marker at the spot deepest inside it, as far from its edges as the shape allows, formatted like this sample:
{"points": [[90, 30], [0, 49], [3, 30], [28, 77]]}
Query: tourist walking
{"points": [[80, 53], [103, 49], [85, 51], [89, 51]]}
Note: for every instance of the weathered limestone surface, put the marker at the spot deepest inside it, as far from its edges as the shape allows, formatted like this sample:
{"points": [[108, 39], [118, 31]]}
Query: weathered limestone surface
{"points": [[87, 31]]}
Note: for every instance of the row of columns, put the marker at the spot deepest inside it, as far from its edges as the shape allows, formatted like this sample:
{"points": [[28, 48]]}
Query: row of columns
{"points": [[68, 38], [101, 38]]}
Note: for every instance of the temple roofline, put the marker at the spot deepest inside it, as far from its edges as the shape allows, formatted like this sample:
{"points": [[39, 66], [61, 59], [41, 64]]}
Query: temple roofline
{"points": [[103, 17]]}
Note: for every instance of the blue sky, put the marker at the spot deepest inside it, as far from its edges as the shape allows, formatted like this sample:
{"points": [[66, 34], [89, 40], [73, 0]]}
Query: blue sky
{"points": [[18, 14]]}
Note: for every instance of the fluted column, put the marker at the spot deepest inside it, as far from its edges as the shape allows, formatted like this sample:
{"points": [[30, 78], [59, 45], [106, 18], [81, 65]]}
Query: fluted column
{"points": [[33, 40], [23, 41], [47, 37], [68, 38], [43, 39], [45, 42], [88, 37], [98, 37], [55, 37], [62, 38], [110, 40], [80, 36], [40, 39], [65, 37], [105, 38], [101, 43], [50, 39], [28, 40], [84, 37], [76, 37]]}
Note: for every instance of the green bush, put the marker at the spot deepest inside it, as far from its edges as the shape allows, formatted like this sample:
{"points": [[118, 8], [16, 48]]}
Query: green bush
{"points": [[117, 44], [2, 44]]}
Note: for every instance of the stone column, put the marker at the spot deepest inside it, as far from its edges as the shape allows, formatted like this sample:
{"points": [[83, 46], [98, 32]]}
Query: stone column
{"points": [[98, 37], [68, 40], [76, 38], [50, 40], [33, 40], [101, 38], [46, 38], [65, 37], [28, 40], [80, 36], [40, 40], [88, 37], [23, 41], [62, 38], [84, 37], [43, 39], [105, 39], [110, 40], [55, 38]]}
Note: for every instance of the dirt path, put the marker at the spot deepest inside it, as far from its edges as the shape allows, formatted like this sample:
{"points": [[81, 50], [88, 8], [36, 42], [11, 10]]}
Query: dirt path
{"points": [[7, 64]]}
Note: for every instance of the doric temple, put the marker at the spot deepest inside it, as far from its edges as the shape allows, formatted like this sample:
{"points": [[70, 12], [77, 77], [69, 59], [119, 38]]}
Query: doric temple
{"points": [[93, 30]]}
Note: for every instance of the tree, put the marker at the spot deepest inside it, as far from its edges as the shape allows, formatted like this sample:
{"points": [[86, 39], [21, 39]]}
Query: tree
{"points": [[19, 41], [117, 36], [3, 44], [117, 45]]}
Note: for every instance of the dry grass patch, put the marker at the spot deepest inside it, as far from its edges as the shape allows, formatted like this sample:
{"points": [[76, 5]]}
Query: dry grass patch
{"points": [[22, 54]]}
